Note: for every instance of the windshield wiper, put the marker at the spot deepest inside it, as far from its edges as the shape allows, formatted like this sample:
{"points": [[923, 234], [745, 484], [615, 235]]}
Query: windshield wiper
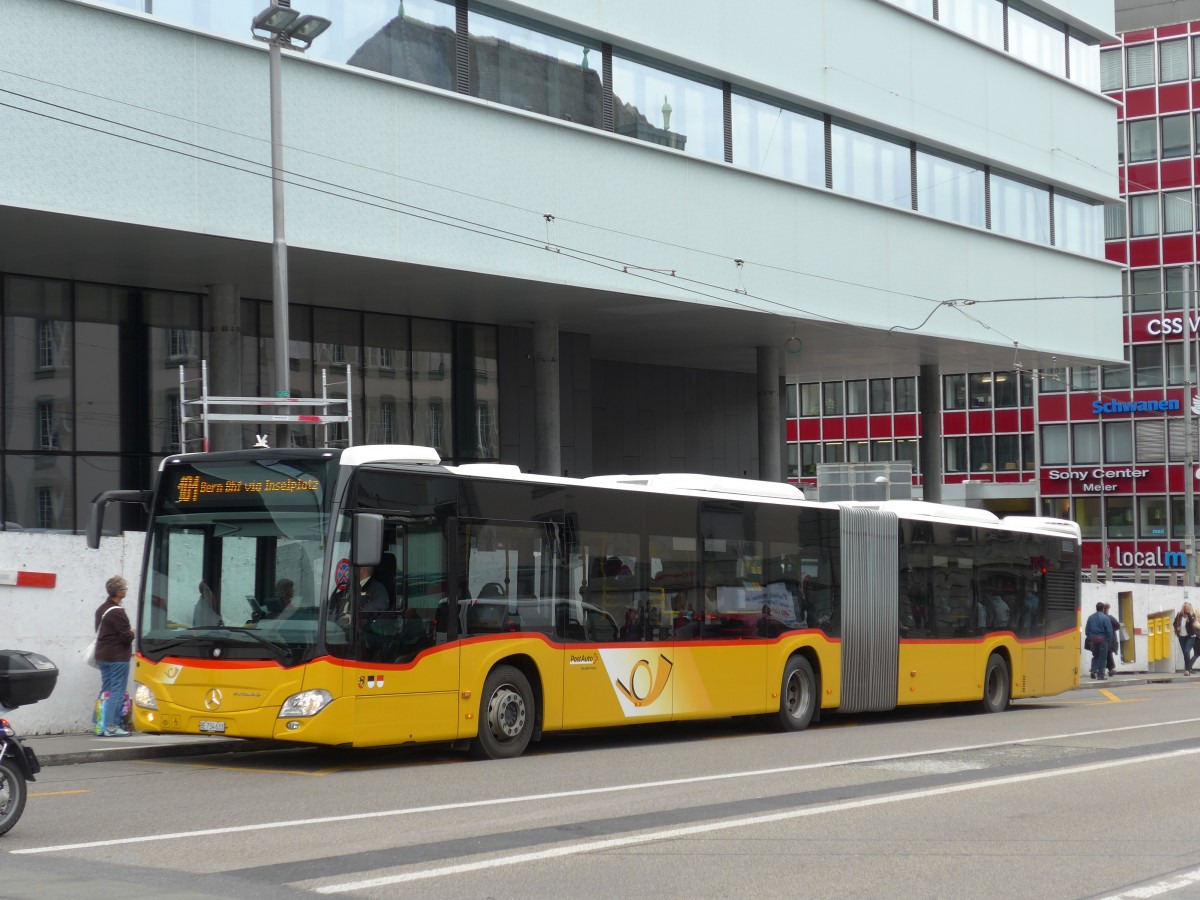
{"points": [[282, 650]]}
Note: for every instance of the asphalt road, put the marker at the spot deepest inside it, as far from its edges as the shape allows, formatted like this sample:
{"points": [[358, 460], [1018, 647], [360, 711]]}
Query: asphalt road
{"points": [[1089, 794]]}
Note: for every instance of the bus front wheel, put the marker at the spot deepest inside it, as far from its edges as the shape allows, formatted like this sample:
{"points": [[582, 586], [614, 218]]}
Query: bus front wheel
{"points": [[797, 695], [997, 685], [506, 715]]}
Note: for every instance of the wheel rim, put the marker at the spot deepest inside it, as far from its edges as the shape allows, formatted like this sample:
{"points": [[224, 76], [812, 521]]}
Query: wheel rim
{"points": [[796, 696], [506, 713], [6, 793], [995, 686]]}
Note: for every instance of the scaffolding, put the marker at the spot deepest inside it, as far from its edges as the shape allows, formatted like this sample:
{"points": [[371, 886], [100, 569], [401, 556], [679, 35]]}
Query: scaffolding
{"points": [[324, 412]]}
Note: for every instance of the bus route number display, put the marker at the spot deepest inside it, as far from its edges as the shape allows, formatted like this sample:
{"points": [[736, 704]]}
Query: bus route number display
{"points": [[196, 489]]}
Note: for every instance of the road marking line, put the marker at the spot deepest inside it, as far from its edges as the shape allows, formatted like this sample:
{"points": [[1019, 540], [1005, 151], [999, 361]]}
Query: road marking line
{"points": [[709, 827], [60, 793], [586, 792], [1174, 883]]}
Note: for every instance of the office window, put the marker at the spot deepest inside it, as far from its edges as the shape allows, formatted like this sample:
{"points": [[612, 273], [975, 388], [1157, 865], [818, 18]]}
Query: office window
{"points": [[1085, 436], [47, 344], [1148, 365], [1173, 60], [1139, 65], [982, 20], [1146, 287], [1020, 209], [954, 392], [1004, 389], [1056, 507], [1143, 140], [956, 454], [980, 392], [1114, 221], [1084, 378], [981, 453], [1152, 517], [871, 167], [776, 141], [856, 398], [1118, 442], [661, 107], [1087, 515], [906, 451], [810, 455], [906, 394], [1110, 70], [950, 190], [835, 452], [1177, 441], [1055, 449], [791, 399], [1078, 225], [1175, 363], [1177, 212], [173, 434], [881, 451], [1052, 381], [1150, 440], [47, 427], [1040, 42], [1008, 452], [1176, 136], [1175, 286], [1143, 215], [1028, 453], [857, 451], [1117, 376], [1179, 516], [810, 399], [1118, 516], [881, 395], [832, 392], [519, 65], [44, 500]]}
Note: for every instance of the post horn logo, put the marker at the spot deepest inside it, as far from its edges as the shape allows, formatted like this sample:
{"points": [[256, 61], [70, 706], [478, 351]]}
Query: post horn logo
{"points": [[657, 681]]}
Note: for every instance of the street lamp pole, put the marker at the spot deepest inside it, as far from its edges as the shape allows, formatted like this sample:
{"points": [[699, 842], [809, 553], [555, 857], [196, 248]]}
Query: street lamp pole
{"points": [[281, 26], [1189, 475]]}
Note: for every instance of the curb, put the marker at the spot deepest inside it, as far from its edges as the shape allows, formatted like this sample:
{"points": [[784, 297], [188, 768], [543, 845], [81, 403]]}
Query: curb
{"points": [[1135, 678], [110, 750]]}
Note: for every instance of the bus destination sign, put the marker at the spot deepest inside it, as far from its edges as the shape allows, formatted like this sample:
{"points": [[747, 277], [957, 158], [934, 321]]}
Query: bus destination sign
{"points": [[195, 488]]}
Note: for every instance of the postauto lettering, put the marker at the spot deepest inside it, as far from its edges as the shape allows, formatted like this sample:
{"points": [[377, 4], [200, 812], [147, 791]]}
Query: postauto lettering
{"points": [[1104, 407]]}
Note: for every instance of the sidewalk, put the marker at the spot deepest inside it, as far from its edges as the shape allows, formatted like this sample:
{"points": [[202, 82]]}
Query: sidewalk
{"points": [[70, 749]]}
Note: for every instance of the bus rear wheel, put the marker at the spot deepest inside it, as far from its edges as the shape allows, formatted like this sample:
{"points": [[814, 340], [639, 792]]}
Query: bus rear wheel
{"points": [[797, 695], [506, 715], [997, 685]]}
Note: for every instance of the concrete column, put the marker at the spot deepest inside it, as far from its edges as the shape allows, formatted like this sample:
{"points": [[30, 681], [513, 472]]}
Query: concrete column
{"points": [[929, 449], [225, 359], [770, 415], [547, 413]]}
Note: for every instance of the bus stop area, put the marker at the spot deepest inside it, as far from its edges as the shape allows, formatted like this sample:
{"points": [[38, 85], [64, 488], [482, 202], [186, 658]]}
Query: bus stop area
{"points": [[73, 749]]}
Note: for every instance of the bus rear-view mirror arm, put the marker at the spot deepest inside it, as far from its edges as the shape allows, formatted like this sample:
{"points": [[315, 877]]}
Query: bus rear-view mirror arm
{"points": [[100, 504]]}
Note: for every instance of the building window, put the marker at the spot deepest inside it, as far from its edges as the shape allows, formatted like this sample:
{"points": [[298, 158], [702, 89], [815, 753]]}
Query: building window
{"points": [[810, 399], [810, 455], [1143, 140], [386, 359], [1078, 225], [835, 452], [906, 451], [47, 428], [1143, 215], [881, 451], [1118, 516], [1110, 70], [906, 394], [832, 392], [435, 424], [1118, 376], [950, 190], [954, 391], [1118, 442], [44, 498], [179, 344], [1026, 382], [980, 390], [776, 141], [1055, 450], [1146, 287], [1052, 381], [47, 348], [1114, 221], [174, 436], [856, 398], [956, 454], [1174, 363], [483, 430], [981, 453], [387, 421], [661, 107], [1085, 437], [1148, 365], [1020, 209], [1175, 286], [1028, 453], [1177, 212], [1176, 136], [982, 20], [1150, 440], [1139, 65], [1179, 516], [1084, 378], [871, 167], [1037, 40], [1173, 60], [857, 451], [790, 400], [1008, 453], [1087, 516], [881, 395]]}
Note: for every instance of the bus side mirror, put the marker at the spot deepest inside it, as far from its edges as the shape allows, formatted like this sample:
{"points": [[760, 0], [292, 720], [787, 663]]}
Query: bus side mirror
{"points": [[100, 504], [366, 539]]}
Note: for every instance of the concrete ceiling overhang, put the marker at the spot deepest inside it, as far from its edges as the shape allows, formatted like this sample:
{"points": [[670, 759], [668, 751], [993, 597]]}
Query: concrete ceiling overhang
{"points": [[622, 326]]}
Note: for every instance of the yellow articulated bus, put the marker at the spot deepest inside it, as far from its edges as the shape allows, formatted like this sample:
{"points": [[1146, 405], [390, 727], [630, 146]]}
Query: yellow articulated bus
{"points": [[372, 596]]}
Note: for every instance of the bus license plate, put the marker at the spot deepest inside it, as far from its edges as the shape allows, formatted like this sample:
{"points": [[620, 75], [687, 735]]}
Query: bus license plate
{"points": [[212, 727]]}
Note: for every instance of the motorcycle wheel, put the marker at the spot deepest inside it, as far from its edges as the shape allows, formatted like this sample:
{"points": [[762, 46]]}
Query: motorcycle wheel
{"points": [[13, 791]]}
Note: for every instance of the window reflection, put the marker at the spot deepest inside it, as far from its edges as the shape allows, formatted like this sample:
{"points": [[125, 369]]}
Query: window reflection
{"points": [[982, 20], [417, 45], [1020, 210], [777, 141], [38, 493], [950, 190], [1037, 41], [432, 360], [657, 106], [39, 365], [1079, 226], [871, 168]]}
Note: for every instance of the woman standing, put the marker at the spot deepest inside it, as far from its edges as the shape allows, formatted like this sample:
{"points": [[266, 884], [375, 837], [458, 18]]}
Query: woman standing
{"points": [[114, 648], [1185, 629]]}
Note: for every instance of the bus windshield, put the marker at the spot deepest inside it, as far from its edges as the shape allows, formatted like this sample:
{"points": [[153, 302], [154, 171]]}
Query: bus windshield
{"points": [[236, 551]]}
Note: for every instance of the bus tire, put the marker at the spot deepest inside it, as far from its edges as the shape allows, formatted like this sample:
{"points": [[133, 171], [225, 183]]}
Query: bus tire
{"points": [[797, 695], [506, 715], [997, 685]]}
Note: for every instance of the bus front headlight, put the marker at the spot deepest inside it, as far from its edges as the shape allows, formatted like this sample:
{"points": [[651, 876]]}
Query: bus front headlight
{"points": [[305, 703], [143, 696]]}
